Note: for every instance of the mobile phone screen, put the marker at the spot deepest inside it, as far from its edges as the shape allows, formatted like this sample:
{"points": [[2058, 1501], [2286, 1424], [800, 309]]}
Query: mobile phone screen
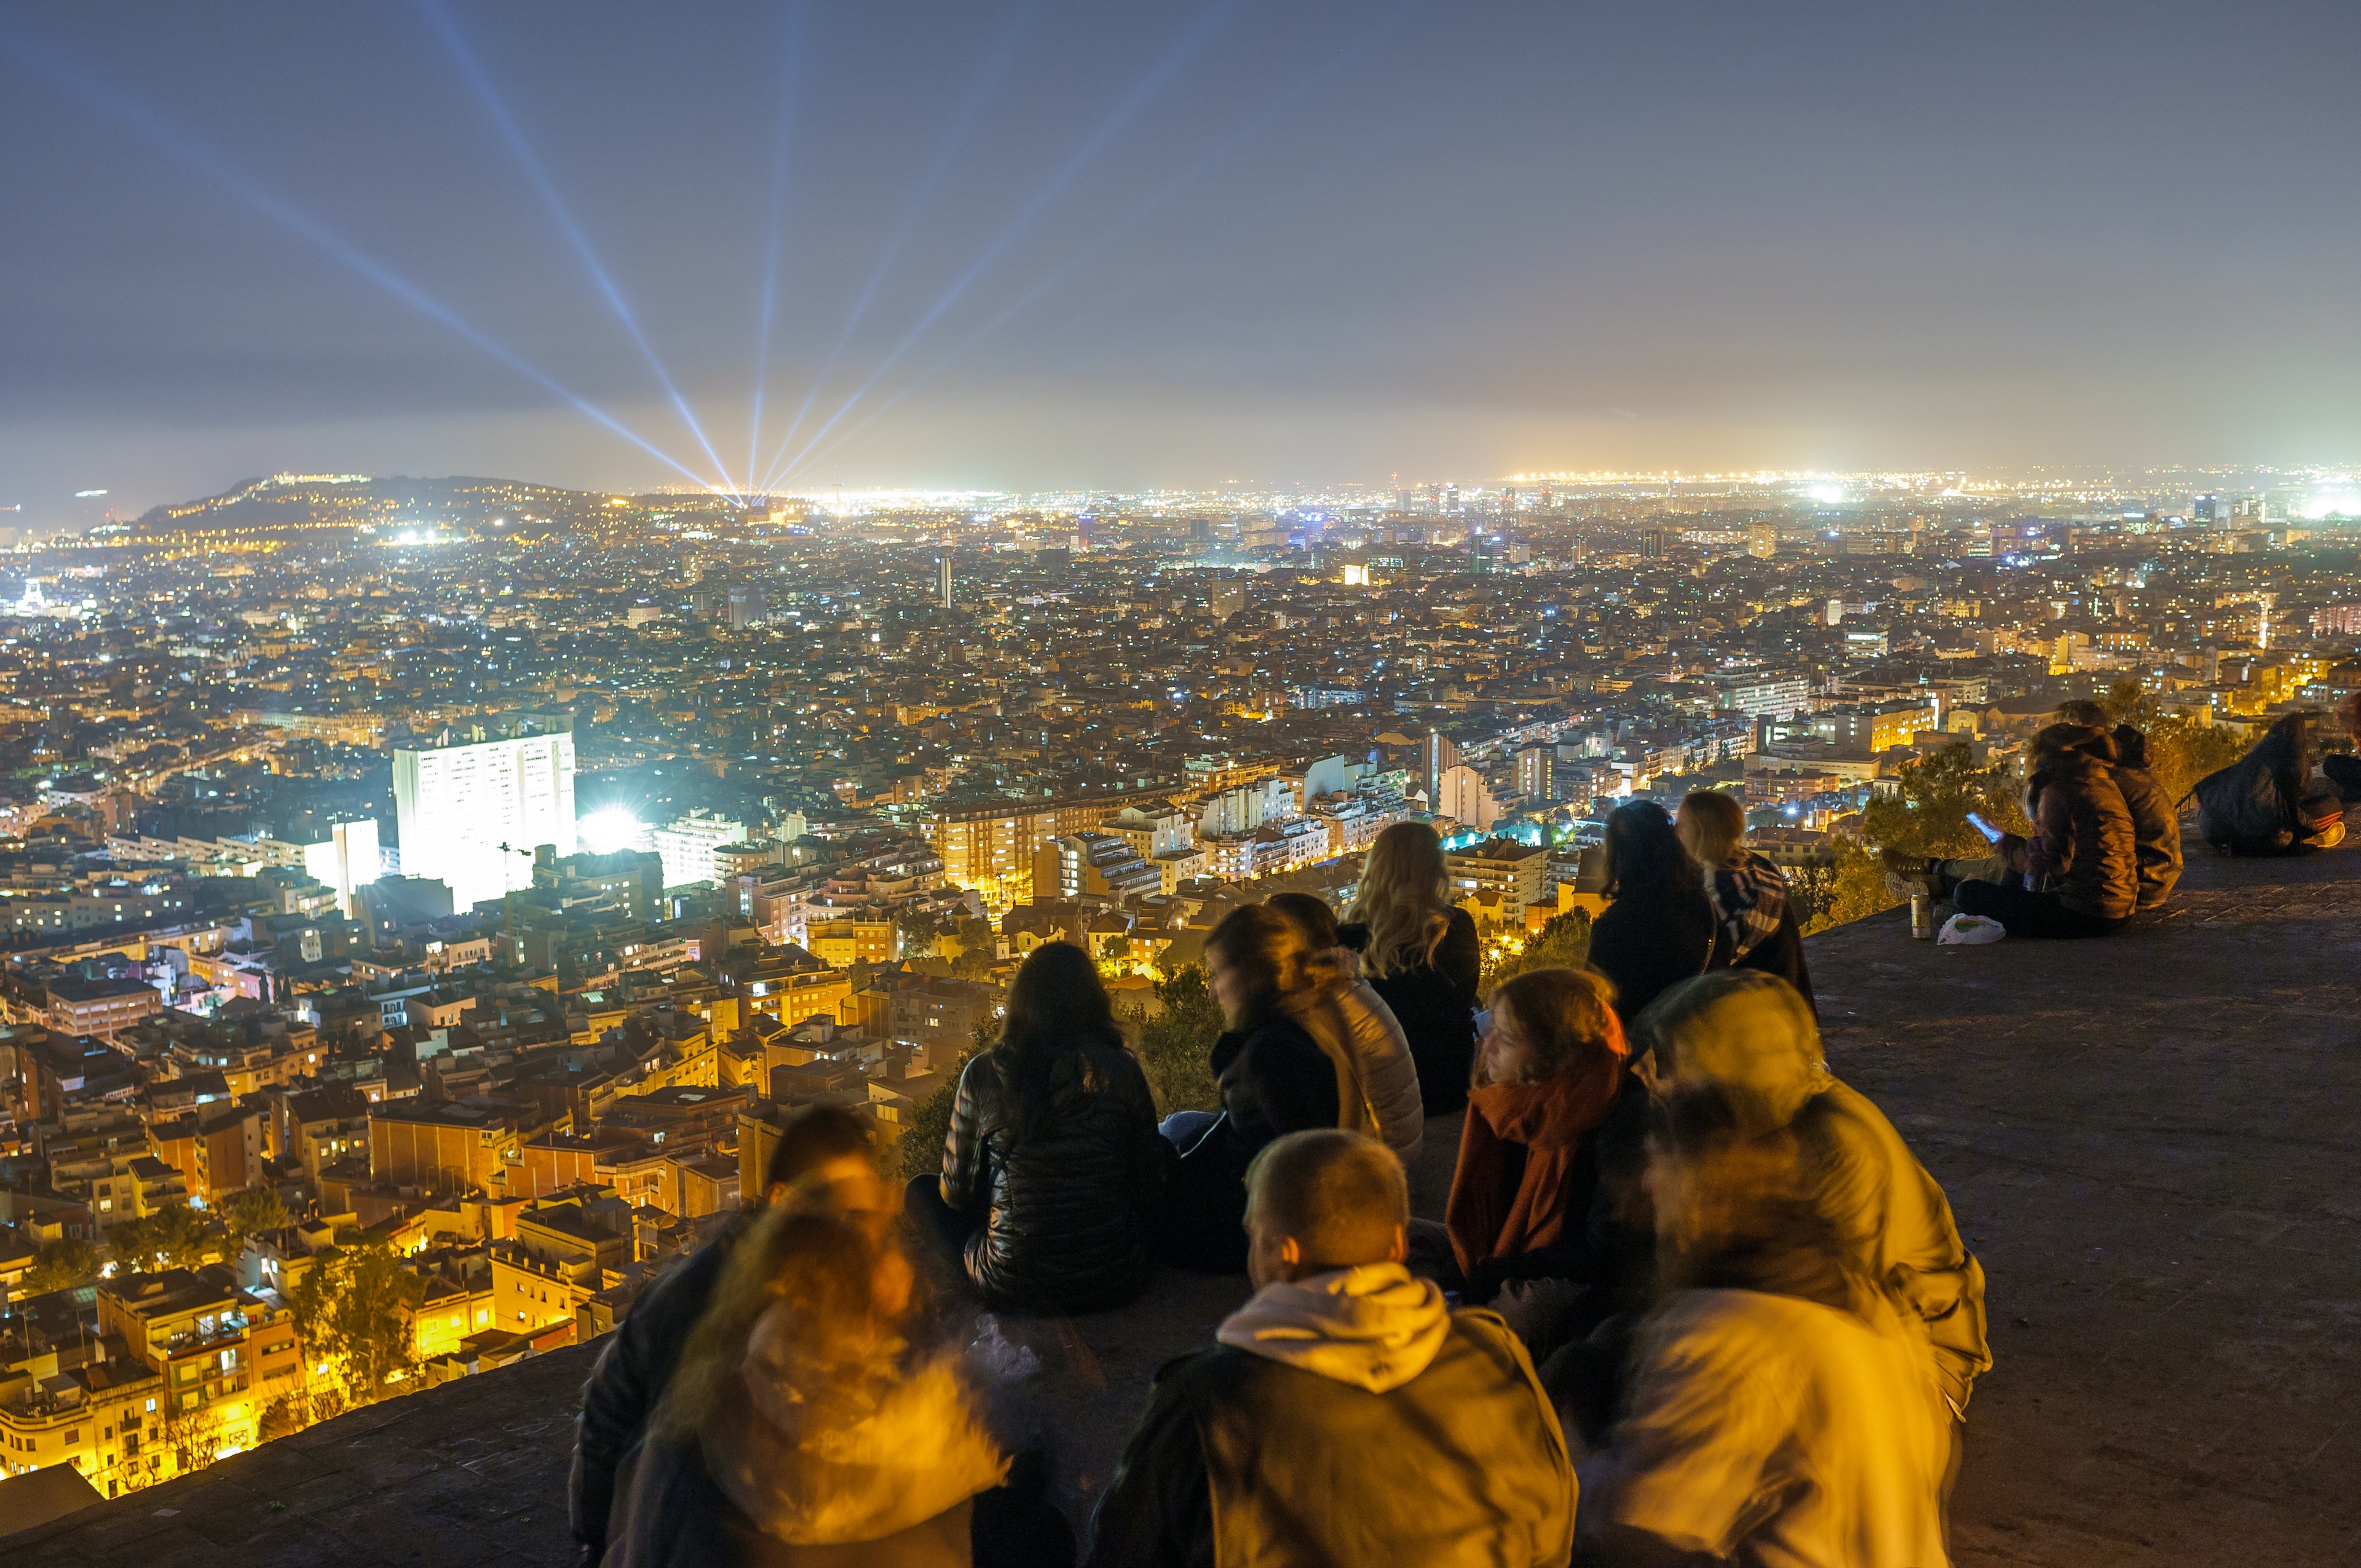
{"points": [[1991, 833]]}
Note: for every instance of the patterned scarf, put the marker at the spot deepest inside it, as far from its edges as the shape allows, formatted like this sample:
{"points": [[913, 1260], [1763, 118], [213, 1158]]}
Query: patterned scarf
{"points": [[1747, 898]]}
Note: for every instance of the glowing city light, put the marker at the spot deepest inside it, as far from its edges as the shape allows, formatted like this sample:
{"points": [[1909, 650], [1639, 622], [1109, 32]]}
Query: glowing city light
{"points": [[604, 832]]}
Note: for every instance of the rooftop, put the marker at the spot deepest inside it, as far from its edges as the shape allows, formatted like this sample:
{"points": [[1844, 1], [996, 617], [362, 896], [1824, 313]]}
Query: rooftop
{"points": [[2148, 1141]]}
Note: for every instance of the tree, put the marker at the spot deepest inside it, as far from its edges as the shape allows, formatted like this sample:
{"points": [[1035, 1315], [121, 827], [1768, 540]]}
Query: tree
{"points": [[250, 1213], [920, 931], [192, 1435], [171, 1237], [2181, 751], [1853, 888], [1928, 813], [1175, 1042], [59, 1266], [974, 951], [1563, 942], [352, 1308]]}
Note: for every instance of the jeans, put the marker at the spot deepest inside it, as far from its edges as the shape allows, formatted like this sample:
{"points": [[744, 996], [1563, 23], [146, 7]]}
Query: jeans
{"points": [[2027, 913], [1183, 1127]]}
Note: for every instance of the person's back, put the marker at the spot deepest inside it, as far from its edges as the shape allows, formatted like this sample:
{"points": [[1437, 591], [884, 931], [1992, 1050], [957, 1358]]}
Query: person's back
{"points": [[1660, 927], [1377, 1075], [1422, 955], [1347, 1414], [1069, 1193], [2155, 820], [1767, 1429], [2084, 848]]}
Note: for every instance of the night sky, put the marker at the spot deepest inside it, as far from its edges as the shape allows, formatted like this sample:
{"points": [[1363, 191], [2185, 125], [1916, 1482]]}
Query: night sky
{"points": [[1130, 245]]}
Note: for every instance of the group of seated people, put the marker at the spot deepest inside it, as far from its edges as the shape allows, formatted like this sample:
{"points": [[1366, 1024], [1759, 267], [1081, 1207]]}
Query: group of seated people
{"points": [[1669, 1231]]}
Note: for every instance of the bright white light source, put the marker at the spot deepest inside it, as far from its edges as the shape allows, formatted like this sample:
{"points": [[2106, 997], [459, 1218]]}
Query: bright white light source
{"points": [[604, 832], [2332, 503], [1829, 494]]}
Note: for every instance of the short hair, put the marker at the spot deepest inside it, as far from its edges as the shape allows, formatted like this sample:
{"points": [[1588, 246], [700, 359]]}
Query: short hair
{"points": [[1342, 1195], [809, 1137], [1715, 827], [1568, 1015]]}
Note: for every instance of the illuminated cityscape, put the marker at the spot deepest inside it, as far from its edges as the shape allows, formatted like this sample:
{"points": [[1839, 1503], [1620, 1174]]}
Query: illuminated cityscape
{"points": [[1023, 490]]}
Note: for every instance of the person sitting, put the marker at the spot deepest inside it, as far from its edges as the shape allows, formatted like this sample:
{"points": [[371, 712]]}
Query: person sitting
{"points": [[1774, 1414], [2081, 861], [1747, 1042], [1749, 893], [1354, 1027], [1551, 1067], [1660, 928], [2343, 769], [1420, 953], [1052, 1165], [1273, 1076], [2155, 820], [1347, 1413], [821, 1161], [802, 1429]]}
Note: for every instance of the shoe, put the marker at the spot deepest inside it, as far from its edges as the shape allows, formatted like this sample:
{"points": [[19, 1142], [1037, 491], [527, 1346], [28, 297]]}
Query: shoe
{"points": [[1907, 876]]}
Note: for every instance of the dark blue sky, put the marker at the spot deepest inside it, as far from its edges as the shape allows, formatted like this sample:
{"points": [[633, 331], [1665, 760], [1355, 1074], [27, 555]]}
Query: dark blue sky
{"points": [[1132, 244]]}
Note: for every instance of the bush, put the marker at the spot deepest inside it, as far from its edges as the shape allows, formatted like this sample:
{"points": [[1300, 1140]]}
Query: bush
{"points": [[1563, 942], [1175, 1044]]}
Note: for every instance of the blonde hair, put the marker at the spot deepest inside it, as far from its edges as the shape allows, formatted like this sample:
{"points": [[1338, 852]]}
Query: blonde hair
{"points": [[1404, 899], [1712, 825], [1565, 1014]]}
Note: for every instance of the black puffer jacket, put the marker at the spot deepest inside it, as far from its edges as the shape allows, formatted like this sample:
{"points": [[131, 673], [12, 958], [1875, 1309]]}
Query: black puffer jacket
{"points": [[2082, 848], [2156, 822], [1065, 1231]]}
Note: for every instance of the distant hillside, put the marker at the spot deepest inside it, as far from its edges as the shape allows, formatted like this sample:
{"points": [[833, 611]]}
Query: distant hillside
{"points": [[316, 500]]}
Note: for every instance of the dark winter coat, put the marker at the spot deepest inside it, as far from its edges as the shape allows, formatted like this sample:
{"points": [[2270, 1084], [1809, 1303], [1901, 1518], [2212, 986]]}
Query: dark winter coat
{"points": [[1435, 1004], [2156, 834], [1274, 1079], [2084, 849], [1065, 1204], [1649, 940], [628, 1379], [1245, 1461], [1781, 953]]}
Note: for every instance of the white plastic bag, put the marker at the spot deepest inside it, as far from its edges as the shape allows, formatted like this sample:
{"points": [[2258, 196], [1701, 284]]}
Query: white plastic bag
{"points": [[1968, 931]]}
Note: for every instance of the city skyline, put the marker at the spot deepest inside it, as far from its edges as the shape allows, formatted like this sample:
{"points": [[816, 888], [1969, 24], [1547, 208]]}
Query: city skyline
{"points": [[1038, 246]]}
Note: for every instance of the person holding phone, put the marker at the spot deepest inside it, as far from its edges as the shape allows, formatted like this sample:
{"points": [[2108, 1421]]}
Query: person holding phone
{"points": [[2078, 876]]}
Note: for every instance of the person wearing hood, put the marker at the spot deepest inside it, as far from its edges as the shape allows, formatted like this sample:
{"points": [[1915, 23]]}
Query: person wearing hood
{"points": [[2081, 869], [1549, 1069], [1052, 1165], [1347, 1413], [1354, 1025], [802, 1430], [1749, 893], [2155, 820], [1776, 1414], [1746, 1044], [1274, 1079]]}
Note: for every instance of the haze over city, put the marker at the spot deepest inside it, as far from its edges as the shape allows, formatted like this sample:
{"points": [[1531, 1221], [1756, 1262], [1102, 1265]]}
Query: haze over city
{"points": [[1053, 246]]}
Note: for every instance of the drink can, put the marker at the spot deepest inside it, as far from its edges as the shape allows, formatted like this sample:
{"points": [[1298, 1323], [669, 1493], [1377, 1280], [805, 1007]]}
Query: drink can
{"points": [[1922, 915]]}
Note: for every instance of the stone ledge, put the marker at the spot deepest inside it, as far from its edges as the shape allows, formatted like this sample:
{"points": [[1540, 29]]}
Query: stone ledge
{"points": [[2149, 1140]]}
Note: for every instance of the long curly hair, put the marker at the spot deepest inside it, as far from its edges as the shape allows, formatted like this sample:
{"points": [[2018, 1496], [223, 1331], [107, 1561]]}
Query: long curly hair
{"points": [[1404, 899]]}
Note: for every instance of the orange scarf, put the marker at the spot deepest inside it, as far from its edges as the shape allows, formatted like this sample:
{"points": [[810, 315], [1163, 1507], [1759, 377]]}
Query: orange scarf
{"points": [[1550, 1118]]}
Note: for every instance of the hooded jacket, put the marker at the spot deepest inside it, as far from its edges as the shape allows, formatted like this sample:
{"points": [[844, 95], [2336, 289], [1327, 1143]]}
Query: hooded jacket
{"points": [[880, 1473], [1066, 1202], [1749, 1041], [1378, 1079], [2084, 848], [2155, 820], [1347, 1416]]}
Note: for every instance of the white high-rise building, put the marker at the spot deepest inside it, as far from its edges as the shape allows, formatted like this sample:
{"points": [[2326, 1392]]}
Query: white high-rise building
{"points": [[687, 843], [457, 803], [348, 859]]}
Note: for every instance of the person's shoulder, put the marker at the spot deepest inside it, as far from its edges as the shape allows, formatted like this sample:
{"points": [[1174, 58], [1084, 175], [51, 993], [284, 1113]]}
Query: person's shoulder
{"points": [[1462, 924], [1355, 935]]}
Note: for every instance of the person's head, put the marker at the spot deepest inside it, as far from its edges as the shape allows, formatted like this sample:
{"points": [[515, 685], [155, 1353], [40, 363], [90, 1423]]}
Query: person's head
{"points": [[1550, 1021], [1732, 1212], [820, 1148], [2055, 741], [1256, 957], [1056, 1004], [1321, 1201], [2131, 746], [1712, 828], [1310, 912], [1404, 898], [1740, 1038], [2348, 714], [804, 1290], [1643, 853], [2087, 712]]}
